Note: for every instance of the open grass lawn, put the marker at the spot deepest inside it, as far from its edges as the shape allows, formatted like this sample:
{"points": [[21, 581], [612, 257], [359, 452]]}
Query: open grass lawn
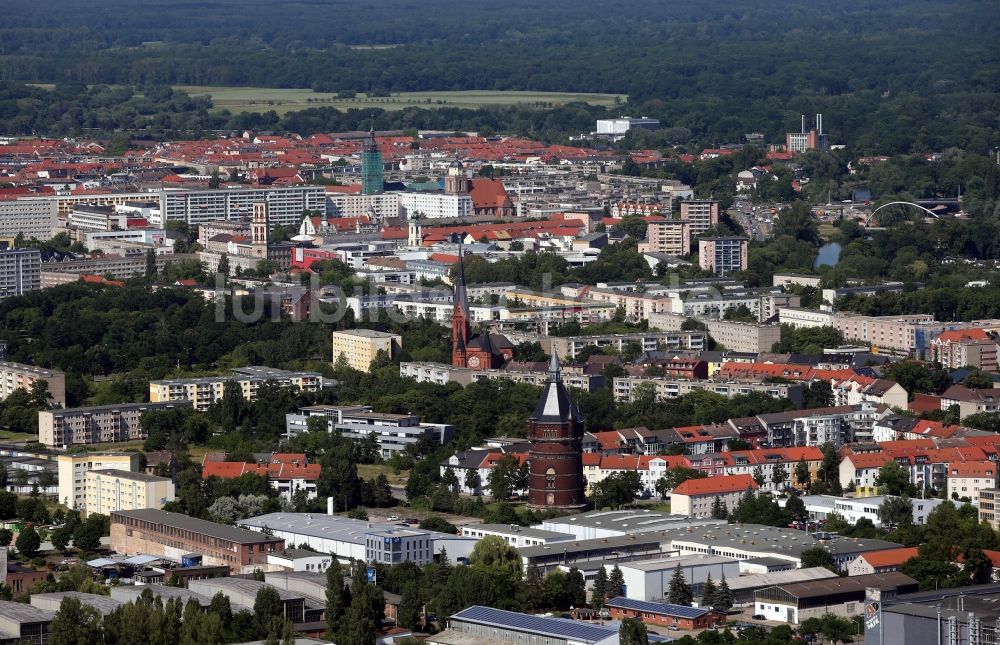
{"points": [[8, 436], [262, 99], [370, 471]]}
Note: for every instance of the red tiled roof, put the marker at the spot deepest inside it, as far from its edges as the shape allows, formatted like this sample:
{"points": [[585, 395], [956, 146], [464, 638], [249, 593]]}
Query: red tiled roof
{"points": [[890, 557], [957, 335], [978, 468], [716, 485]]}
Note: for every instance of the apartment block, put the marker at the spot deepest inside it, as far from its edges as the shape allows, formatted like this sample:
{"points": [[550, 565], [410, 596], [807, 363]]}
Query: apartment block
{"points": [[625, 388], [902, 334], [96, 424], [966, 347], [32, 219], [650, 341], [723, 255], [20, 272], [695, 497], [172, 535], [670, 236], [700, 214], [360, 347], [285, 205], [122, 490], [966, 480], [989, 507], [14, 376], [734, 336], [205, 391], [73, 471]]}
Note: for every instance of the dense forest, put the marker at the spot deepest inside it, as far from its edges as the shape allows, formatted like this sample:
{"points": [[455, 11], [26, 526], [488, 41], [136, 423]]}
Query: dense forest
{"points": [[896, 76]]}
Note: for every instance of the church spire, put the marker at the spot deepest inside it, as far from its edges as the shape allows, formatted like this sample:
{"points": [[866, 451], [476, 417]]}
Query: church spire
{"points": [[461, 296], [554, 374]]}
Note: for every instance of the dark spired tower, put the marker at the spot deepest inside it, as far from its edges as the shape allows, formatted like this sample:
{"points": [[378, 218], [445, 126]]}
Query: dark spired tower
{"points": [[371, 165], [555, 431]]}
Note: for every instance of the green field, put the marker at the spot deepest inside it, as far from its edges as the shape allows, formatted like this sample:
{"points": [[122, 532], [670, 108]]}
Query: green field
{"points": [[262, 99]]}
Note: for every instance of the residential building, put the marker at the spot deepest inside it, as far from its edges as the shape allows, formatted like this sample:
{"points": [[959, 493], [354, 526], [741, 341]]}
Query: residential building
{"points": [[805, 318], [367, 541], [989, 507], [285, 205], [440, 373], [858, 389], [110, 490], [360, 347], [788, 279], [394, 433], [172, 535], [734, 336], [746, 462], [73, 469], [670, 236], [966, 480], [695, 497], [881, 561], [625, 388], [794, 603], [434, 205], [288, 473], [966, 348], [97, 424], [723, 255], [18, 376], [20, 271], [30, 218], [568, 347], [665, 614], [700, 214], [615, 129], [971, 401], [205, 391], [908, 335]]}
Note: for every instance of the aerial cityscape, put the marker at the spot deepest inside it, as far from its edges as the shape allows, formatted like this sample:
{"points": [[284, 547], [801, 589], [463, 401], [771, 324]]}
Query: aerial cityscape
{"points": [[562, 323]]}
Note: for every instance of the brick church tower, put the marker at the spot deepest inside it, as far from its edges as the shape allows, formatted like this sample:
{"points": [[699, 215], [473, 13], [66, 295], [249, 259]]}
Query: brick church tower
{"points": [[555, 431], [476, 351]]}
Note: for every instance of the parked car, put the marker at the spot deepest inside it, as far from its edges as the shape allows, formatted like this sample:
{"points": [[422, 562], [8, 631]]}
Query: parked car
{"points": [[393, 518], [758, 617]]}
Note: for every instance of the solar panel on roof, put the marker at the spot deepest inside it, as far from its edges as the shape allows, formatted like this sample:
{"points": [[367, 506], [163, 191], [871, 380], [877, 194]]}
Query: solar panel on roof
{"points": [[557, 627], [659, 608]]}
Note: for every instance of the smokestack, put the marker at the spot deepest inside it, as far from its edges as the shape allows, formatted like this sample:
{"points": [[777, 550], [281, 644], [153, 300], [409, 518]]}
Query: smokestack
{"points": [[803, 124], [819, 124]]}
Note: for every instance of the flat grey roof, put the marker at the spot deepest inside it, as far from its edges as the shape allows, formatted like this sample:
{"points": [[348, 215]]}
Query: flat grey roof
{"points": [[661, 564], [628, 520], [767, 561], [367, 333], [519, 530], [299, 554], [244, 586], [94, 409], [176, 520], [128, 474], [333, 527], [759, 580]]}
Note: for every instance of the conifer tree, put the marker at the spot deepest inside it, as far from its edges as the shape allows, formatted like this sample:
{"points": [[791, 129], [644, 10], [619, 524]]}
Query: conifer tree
{"points": [[708, 592], [679, 592]]}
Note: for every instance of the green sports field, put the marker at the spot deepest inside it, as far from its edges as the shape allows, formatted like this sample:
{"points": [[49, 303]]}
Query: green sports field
{"points": [[262, 99]]}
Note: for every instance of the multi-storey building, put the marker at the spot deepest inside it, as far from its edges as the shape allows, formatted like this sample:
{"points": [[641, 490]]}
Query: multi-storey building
{"points": [[700, 214], [394, 433], [383, 206], [73, 471], [670, 236], [650, 341], [989, 507], [434, 205], [966, 348], [695, 497], [967, 479], [18, 376], [626, 387], [205, 391], [172, 535], [96, 424], [20, 272], [285, 205], [30, 218], [360, 347], [121, 490], [803, 140], [723, 255], [288, 473], [734, 336]]}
